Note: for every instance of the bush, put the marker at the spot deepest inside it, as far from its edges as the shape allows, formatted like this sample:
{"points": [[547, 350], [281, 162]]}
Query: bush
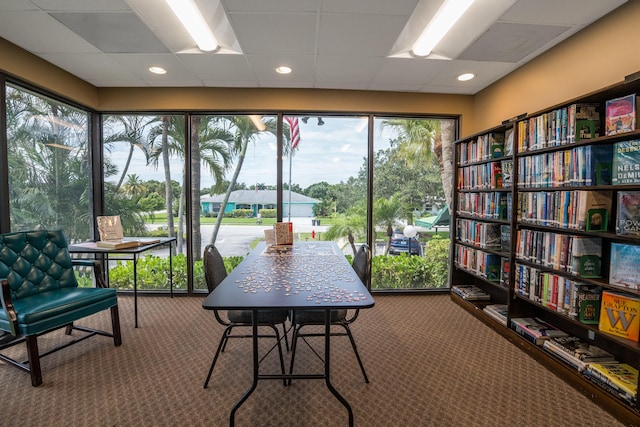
{"points": [[241, 213], [267, 213]]}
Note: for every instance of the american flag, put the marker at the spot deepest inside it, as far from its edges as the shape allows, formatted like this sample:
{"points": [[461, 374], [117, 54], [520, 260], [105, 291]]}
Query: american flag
{"points": [[295, 130]]}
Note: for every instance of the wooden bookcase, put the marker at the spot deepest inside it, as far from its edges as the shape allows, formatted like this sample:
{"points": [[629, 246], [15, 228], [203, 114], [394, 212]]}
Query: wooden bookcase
{"points": [[477, 190]]}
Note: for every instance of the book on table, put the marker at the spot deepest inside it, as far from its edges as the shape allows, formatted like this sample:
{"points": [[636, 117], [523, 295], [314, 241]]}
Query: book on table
{"points": [[112, 236]]}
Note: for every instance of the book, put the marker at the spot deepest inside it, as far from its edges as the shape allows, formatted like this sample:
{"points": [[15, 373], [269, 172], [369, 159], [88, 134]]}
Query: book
{"points": [[628, 213], [624, 266], [576, 352], [505, 271], [621, 114], [507, 173], [119, 244], [535, 330], [586, 253], [593, 208], [584, 122], [283, 233], [620, 376], [471, 292], [620, 314], [626, 162], [497, 312], [110, 228], [587, 303]]}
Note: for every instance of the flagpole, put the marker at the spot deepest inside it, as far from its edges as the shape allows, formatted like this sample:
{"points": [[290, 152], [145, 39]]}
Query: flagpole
{"points": [[290, 163]]}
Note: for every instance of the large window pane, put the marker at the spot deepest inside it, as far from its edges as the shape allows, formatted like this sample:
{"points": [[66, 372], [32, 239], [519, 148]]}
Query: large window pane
{"points": [[49, 164], [408, 190], [326, 172], [234, 182], [144, 170]]}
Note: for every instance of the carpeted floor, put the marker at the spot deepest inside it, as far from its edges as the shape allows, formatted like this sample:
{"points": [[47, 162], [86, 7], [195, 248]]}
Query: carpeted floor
{"points": [[430, 363]]}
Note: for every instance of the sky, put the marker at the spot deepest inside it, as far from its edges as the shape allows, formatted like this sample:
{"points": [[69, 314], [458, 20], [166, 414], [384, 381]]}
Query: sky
{"points": [[333, 152]]}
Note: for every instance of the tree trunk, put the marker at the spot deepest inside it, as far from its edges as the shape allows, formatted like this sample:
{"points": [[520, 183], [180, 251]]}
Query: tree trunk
{"points": [[168, 189], [232, 184], [196, 235]]}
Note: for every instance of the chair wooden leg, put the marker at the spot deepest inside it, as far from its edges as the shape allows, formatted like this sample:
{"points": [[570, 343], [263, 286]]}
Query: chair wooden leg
{"points": [[34, 360], [115, 326]]}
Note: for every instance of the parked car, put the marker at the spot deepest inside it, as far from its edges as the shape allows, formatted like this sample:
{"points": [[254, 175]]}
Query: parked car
{"points": [[400, 244]]}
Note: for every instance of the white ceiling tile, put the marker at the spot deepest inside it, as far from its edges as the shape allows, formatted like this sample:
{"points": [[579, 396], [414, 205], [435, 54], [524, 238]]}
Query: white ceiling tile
{"points": [[559, 12], [346, 68], [212, 67]]}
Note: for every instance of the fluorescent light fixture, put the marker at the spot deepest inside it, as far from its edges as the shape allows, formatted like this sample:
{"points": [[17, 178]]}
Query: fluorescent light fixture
{"points": [[444, 19], [157, 70], [466, 77], [193, 21], [283, 69], [258, 123]]}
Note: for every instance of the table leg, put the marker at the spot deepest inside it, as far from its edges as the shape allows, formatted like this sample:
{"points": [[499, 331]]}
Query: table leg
{"points": [[135, 289], [256, 367], [327, 365]]}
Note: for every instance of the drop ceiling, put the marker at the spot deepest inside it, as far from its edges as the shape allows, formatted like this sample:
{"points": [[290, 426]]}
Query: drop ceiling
{"points": [[330, 44]]}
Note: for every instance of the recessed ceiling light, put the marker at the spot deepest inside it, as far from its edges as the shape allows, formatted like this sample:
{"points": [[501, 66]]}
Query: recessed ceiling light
{"points": [[157, 70], [444, 19], [466, 76], [283, 69]]}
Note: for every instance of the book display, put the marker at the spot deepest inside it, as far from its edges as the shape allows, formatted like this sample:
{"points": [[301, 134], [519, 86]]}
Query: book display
{"points": [[558, 209]]}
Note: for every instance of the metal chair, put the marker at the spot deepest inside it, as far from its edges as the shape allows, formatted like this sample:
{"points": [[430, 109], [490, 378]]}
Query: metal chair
{"points": [[300, 318], [215, 272]]}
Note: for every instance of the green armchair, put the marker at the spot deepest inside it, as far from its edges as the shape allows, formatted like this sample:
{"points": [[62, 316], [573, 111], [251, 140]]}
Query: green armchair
{"points": [[40, 293]]}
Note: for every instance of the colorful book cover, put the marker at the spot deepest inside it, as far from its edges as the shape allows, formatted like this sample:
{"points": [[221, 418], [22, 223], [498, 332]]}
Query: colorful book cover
{"points": [[507, 173], [626, 162], [593, 209], [621, 114], [624, 267], [628, 216], [581, 349], [620, 315], [588, 303], [622, 376]]}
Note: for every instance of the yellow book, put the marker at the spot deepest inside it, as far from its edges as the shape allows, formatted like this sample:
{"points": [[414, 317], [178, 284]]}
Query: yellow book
{"points": [[619, 315]]}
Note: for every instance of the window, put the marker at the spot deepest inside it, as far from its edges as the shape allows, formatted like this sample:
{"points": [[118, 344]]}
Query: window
{"points": [[48, 159]]}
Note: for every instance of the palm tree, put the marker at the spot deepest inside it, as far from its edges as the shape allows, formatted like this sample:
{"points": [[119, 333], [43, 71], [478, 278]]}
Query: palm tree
{"points": [[130, 129], [245, 133], [385, 214], [134, 186], [352, 225], [420, 139]]}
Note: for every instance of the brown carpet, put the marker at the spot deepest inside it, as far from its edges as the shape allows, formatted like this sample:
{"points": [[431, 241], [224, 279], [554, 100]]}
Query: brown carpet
{"points": [[430, 363]]}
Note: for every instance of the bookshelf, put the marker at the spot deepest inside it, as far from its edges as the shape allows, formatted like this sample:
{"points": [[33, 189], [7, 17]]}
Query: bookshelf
{"points": [[536, 228]]}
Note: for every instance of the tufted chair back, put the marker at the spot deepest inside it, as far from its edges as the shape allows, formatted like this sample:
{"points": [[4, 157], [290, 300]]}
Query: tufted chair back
{"points": [[35, 261]]}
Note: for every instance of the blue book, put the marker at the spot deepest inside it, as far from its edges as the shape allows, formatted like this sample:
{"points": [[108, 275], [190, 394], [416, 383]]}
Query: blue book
{"points": [[624, 268]]}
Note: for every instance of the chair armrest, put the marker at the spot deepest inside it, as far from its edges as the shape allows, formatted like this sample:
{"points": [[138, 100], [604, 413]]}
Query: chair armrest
{"points": [[97, 270], [7, 306]]}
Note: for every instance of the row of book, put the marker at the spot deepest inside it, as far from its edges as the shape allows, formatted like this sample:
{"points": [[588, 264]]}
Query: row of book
{"points": [[479, 177], [492, 205], [579, 166], [559, 127], [479, 262], [485, 235], [572, 298], [595, 363], [578, 255], [484, 147], [569, 209], [614, 312]]}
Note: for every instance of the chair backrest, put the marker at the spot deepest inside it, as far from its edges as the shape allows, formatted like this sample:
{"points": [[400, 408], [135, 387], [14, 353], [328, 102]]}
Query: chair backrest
{"points": [[35, 261], [214, 269], [362, 263]]}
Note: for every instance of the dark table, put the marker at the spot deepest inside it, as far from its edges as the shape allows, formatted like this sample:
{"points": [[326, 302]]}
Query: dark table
{"points": [[303, 276], [127, 254]]}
